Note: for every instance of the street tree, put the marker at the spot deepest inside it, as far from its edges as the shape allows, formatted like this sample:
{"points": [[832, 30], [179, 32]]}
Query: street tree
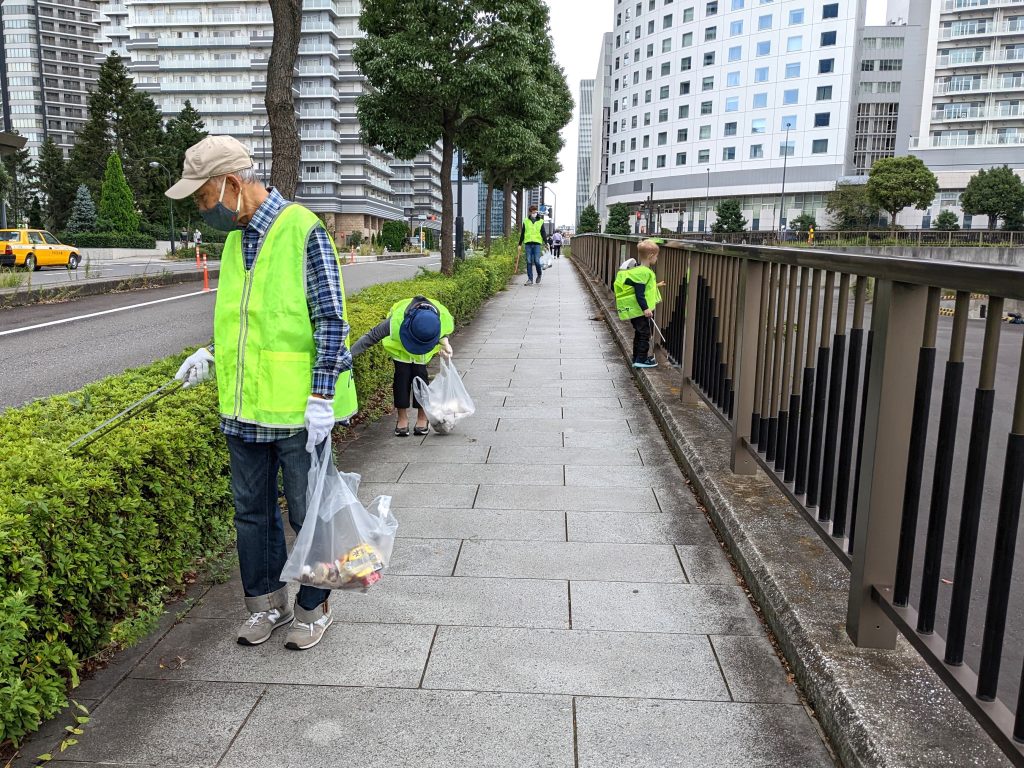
{"points": [[456, 66], [117, 206], [83, 212], [997, 193], [947, 221], [284, 127], [182, 131], [803, 223], [618, 220], [729, 217], [22, 171], [589, 220], [55, 184], [850, 209], [895, 183]]}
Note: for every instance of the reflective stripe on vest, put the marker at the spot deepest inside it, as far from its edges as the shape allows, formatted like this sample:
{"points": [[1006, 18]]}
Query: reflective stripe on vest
{"points": [[625, 297], [263, 336], [393, 342], [533, 228]]}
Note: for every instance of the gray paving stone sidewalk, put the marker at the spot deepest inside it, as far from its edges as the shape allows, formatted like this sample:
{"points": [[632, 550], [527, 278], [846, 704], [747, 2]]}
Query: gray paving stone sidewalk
{"points": [[556, 599]]}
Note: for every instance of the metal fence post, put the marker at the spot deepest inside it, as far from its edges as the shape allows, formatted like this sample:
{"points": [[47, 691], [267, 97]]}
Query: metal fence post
{"points": [[688, 389], [748, 315], [897, 324]]}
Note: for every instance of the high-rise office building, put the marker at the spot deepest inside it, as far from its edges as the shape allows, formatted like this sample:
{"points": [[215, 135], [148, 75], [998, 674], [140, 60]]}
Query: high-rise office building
{"points": [[585, 145], [47, 68], [601, 110]]}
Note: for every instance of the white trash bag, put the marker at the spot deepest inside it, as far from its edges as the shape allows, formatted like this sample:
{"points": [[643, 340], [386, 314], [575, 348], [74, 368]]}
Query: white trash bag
{"points": [[446, 400], [546, 261], [341, 543]]}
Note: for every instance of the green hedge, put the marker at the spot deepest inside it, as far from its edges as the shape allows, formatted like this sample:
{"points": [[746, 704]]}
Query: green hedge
{"points": [[108, 240], [212, 250], [88, 542]]}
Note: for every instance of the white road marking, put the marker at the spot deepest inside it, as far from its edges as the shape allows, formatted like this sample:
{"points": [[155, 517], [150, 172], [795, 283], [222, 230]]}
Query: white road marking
{"points": [[104, 312], [394, 262]]}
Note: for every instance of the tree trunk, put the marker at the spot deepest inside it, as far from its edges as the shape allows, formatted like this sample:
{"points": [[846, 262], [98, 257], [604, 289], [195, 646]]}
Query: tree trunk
{"points": [[488, 208], [284, 129], [506, 219], [447, 214], [520, 209]]}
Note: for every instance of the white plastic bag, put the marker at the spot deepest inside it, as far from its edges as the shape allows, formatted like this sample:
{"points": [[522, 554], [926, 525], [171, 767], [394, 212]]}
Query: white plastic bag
{"points": [[446, 400], [546, 261], [341, 543]]}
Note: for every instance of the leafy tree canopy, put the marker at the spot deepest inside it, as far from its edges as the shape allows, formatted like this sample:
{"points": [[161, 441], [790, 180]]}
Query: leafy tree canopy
{"points": [[895, 183], [589, 221], [947, 221], [850, 209], [117, 206], [729, 217], [618, 220], [997, 193]]}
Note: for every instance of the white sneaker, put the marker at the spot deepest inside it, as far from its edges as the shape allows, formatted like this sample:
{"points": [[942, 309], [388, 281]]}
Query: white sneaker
{"points": [[308, 627]]}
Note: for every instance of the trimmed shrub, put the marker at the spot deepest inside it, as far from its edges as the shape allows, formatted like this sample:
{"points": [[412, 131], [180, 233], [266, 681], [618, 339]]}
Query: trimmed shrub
{"points": [[89, 542], [108, 240], [83, 212], [212, 251], [393, 234]]}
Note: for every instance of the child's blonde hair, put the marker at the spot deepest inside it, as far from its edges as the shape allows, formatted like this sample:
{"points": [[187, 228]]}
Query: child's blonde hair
{"points": [[646, 249]]}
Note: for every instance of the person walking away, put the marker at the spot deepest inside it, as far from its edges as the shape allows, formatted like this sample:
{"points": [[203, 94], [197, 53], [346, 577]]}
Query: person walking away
{"points": [[197, 237], [283, 373], [413, 332], [533, 236], [636, 295], [556, 245]]}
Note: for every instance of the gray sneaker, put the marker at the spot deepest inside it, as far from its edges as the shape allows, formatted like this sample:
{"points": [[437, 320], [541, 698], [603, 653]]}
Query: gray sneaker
{"points": [[261, 625], [308, 627], [528, 282]]}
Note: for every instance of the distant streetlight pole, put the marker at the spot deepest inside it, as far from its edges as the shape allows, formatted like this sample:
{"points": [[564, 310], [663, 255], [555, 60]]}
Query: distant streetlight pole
{"points": [[170, 203], [707, 197], [460, 244], [782, 193], [554, 206]]}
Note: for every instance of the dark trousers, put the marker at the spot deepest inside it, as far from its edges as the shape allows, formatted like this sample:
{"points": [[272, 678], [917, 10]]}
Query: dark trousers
{"points": [[262, 551], [404, 375], [641, 338], [557, 251]]}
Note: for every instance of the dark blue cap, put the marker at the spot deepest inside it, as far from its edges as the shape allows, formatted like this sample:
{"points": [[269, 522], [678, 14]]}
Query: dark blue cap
{"points": [[420, 331]]}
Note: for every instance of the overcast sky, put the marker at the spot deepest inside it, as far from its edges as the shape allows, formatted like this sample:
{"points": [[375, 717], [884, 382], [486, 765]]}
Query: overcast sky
{"points": [[577, 27]]}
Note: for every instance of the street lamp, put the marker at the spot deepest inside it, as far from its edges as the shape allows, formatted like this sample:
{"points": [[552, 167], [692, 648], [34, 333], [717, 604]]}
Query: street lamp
{"points": [[170, 203], [782, 193], [554, 207], [707, 196]]}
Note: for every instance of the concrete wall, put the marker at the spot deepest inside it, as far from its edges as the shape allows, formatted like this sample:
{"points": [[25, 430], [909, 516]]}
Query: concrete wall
{"points": [[996, 255]]}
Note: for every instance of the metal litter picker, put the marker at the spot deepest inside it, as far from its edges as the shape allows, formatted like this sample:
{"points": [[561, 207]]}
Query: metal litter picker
{"points": [[133, 410]]}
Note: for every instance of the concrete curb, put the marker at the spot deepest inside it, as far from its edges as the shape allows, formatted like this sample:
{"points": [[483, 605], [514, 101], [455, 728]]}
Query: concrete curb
{"points": [[880, 709], [16, 297]]}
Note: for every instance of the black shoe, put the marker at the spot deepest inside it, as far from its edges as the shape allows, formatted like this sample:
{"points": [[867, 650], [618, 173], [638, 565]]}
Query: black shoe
{"points": [[401, 431], [650, 362]]}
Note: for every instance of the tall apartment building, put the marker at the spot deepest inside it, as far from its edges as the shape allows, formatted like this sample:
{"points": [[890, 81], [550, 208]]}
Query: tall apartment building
{"points": [[417, 186], [215, 53], [973, 100], [585, 145], [601, 110], [47, 68]]}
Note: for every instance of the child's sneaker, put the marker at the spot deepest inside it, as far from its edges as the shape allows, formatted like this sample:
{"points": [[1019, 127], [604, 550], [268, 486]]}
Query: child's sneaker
{"points": [[650, 362]]}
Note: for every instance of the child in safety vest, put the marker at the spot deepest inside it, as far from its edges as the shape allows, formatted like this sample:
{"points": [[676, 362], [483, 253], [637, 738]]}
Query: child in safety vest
{"points": [[414, 331], [636, 295]]}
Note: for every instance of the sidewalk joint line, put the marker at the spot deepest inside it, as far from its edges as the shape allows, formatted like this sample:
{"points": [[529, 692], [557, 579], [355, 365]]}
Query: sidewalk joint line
{"points": [[430, 650], [459, 554], [721, 669], [575, 737], [680, 559], [241, 727], [568, 587]]}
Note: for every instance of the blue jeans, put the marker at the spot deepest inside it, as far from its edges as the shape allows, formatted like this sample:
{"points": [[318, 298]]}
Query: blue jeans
{"points": [[262, 551], [533, 260]]}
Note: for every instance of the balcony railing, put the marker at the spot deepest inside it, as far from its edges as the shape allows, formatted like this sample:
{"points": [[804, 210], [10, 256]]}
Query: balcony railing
{"points": [[978, 113], [963, 86], [979, 140]]}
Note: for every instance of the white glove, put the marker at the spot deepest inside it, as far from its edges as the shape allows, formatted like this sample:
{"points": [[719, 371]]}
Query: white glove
{"points": [[319, 421], [446, 348], [197, 368]]}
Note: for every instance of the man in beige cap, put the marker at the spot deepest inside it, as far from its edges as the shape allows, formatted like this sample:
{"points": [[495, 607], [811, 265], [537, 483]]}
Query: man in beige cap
{"points": [[283, 370]]}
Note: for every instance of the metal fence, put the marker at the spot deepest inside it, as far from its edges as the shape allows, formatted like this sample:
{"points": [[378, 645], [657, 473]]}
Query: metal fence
{"points": [[824, 238], [823, 365]]}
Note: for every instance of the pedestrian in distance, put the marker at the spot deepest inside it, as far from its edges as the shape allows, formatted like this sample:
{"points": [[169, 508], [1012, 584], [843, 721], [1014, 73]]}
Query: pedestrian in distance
{"points": [[197, 237], [533, 235], [184, 237], [636, 295], [413, 332], [556, 245], [283, 372]]}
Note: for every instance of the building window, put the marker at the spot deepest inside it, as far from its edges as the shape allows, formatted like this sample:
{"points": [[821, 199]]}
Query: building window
{"points": [[756, 151], [633, 122], [822, 119], [732, 104], [729, 129], [647, 118], [819, 146], [705, 107], [824, 93], [728, 153], [647, 96], [684, 87], [788, 123], [660, 161], [666, 68], [760, 100], [647, 142], [732, 79], [666, 21], [828, 38], [649, 73], [704, 156], [787, 148], [894, 65], [666, 45], [688, 15], [791, 96], [711, 33], [632, 144], [682, 133], [684, 111], [761, 75], [663, 92], [687, 39], [764, 22], [795, 43], [735, 28], [636, 99], [830, 11], [868, 65], [736, 53], [650, 50], [662, 138], [796, 16], [645, 163], [650, 27], [705, 132], [711, 8], [793, 70], [680, 158], [663, 115], [707, 84], [760, 125], [632, 166], [709, 58], [764, 48], [685, 64], [636, 77], [826, 65]]}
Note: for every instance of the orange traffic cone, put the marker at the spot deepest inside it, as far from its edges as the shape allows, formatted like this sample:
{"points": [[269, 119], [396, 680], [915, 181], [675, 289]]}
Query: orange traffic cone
{"points": [[206, 275], [197, 255]]}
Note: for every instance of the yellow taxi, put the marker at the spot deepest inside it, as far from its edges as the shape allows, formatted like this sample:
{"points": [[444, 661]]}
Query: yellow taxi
{"points": [[35, 249]]}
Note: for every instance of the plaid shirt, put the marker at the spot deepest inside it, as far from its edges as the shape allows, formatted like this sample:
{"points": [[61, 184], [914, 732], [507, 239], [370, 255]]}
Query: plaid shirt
{"points": [[324, 298]]}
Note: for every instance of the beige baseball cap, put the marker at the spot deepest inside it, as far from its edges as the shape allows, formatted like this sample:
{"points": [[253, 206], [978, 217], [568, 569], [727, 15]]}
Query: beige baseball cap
{"points": [[213, 156]]}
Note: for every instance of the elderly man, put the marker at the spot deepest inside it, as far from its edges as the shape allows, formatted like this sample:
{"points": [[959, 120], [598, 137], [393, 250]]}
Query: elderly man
{"points": [[533, 234], [282, 368]]}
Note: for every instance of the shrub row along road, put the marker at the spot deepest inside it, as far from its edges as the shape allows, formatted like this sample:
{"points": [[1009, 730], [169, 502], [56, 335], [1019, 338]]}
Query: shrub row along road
{"points": [[54, 348]]}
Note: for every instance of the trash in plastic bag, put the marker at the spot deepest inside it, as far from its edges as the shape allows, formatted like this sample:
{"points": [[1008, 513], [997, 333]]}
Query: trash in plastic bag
{"points": [[342, 544], [446, 400], [546, 260]]}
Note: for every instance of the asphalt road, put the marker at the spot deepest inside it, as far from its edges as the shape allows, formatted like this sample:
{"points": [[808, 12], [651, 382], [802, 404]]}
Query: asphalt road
{"points": [[72, 349], [105, 270]]}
